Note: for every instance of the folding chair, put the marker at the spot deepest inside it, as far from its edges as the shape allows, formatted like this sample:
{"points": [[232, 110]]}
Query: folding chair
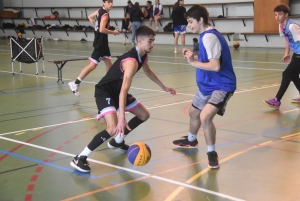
{"points": [[27, 51]]}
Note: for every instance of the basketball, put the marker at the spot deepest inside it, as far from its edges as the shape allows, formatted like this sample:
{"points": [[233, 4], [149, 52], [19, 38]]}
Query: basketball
{"points": [[236, 45], [139, 154], [20, 35]]}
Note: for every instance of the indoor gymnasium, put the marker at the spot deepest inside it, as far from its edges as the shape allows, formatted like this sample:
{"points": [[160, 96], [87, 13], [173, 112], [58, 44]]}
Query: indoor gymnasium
{"points": [[162, 100]]}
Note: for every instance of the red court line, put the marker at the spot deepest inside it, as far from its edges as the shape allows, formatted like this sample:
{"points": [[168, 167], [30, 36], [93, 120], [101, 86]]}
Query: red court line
{"points": [[28, 197], [34, 177], [30, 187]]}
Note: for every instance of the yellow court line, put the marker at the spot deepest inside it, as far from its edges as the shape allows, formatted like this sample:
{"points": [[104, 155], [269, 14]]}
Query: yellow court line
{"points": [[179, 189], [291, 135], [21, 133]]}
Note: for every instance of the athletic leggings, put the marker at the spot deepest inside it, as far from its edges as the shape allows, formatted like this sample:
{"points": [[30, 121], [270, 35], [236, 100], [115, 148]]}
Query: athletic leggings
{"points": [[291, 73]]}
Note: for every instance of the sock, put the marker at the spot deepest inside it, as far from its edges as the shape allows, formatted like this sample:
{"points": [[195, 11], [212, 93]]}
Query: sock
{"points": [[77, 81], [133, 123], [175, 46], [119, 139], [85, 152], [192, 137], [98, 140], [210, 148]]}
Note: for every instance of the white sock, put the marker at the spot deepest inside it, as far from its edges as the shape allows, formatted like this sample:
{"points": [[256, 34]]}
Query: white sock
{"points": [[119, 139], [85, 152], [79, 79], [192, 137], [210, 148]]}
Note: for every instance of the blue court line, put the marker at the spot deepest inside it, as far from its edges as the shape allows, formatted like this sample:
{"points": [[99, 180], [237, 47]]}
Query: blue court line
{"points": [[46, 163]]}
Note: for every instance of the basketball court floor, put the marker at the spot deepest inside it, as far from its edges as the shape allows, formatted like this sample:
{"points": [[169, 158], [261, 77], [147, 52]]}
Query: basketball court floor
{"points": [[43, 125]]}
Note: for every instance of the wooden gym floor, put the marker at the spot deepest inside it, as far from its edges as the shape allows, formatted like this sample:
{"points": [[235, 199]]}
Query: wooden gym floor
{"points": [[43, 125]]}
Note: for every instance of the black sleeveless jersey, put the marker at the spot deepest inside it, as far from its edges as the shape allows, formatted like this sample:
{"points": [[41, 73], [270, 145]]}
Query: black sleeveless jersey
{"points": [[113, 79], [101, 39]]}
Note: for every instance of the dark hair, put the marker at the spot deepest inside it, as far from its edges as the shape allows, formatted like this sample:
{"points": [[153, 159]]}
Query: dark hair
{"points": [[196, 12], [176, 5], [55, 13], [107, 0], [195, 40], [136, 4], [144, 31], [149, 2], [129, 2], [282, 8]]}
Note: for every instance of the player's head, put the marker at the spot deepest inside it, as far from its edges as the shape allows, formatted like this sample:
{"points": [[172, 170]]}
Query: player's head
{"points": [[129, 3], [148, 3], [195, 40], [127, 16], [281, 12], [108, 4], [197, 16], [145, 37], [137, 4]]}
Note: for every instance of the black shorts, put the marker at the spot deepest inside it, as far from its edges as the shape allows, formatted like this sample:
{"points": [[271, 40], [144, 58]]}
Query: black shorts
{"points": [[100, 54], [108, 102]]}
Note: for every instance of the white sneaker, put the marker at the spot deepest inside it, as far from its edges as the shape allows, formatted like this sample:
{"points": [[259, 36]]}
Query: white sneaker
{"points": [[156, 29], [74, 88], [175, 51], [124, 43], [133, 44]]}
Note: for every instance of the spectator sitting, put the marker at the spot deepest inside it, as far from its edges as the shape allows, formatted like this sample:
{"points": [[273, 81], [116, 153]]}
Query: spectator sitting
{"points": [[54, 15], [129, 7], [148, 12]]}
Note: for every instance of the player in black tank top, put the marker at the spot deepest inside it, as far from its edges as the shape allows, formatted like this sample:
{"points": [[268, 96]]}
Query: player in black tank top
{"points": [[111, 94], [100, 19]]}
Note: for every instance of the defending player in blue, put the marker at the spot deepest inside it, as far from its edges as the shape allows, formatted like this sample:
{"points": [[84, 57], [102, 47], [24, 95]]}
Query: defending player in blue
{"points": [[111, 95], [215, 79]]}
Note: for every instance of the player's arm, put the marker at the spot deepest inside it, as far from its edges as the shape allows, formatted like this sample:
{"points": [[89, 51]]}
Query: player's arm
{"points": [[103, 29], [286, 58], [92, 16], [155, 79], [213, 49], [129, 67], [212, 65]]}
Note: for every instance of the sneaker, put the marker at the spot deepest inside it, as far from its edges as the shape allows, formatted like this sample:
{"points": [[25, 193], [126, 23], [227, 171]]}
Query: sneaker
{"points": [[175, 51], [273, 102], [156, 29], [185, 143], [121, 146], [133, 44], [74, 88], [296, 100], [124, 43], [80, 164], [213, 160]]}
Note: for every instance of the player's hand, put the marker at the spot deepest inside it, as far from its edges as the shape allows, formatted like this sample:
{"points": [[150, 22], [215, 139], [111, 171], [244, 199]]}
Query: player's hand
{"points": [[116, 32], [171, 90], [120, 129], [188, 54], [286, 58]]}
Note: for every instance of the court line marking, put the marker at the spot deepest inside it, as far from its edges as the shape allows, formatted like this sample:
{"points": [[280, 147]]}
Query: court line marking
{"points": [[128, 170], [196, 176]]}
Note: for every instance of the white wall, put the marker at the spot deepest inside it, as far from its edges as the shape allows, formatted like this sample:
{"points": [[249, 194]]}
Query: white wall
{"points": [[236, 26]]}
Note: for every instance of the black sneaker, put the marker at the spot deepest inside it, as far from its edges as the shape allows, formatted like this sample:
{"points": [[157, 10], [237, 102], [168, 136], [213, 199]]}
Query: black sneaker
{"points": [[112, 144], [213, 160], [185, 143], [80, 164]]}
